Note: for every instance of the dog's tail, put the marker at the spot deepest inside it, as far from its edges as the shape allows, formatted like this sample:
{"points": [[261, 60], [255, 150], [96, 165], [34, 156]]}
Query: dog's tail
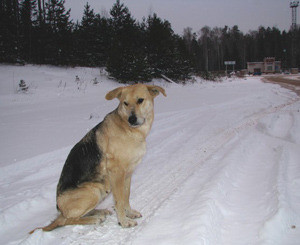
{"points": [[59, 221]]}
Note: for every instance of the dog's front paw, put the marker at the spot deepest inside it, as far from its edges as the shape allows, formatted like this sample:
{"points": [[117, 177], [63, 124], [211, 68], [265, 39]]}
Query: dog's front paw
{"points": [[127, 223], [133, 214]]}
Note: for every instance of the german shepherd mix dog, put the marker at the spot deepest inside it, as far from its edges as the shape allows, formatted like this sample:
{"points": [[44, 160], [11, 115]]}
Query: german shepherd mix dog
{"points": [[104, 160]]}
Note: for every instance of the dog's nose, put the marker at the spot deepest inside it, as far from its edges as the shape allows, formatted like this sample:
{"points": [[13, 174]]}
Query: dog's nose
{"points": [[132, 120]]}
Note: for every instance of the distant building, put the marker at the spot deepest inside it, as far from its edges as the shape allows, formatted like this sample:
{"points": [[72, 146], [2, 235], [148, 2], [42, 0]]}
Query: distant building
{"points": [[269, 65]]}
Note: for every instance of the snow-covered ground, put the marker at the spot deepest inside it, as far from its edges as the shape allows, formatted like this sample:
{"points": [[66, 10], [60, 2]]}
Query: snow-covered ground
{"points": [[222, 165]]}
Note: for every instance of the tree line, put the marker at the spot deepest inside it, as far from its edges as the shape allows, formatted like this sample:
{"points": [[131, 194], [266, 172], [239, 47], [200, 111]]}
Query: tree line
{"points": [[41, 32], [230, 44]]}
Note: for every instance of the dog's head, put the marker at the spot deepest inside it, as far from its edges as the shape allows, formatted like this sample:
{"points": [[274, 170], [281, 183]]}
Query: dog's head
{"points": [[136, 102]]}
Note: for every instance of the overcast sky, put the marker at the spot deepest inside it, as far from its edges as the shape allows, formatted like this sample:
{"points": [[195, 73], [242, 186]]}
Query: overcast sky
{"points": [[247, 14]]}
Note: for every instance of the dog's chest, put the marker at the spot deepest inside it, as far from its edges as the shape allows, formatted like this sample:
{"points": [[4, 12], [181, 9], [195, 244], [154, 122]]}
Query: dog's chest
{"points": [[135, 154], [127, 151]]}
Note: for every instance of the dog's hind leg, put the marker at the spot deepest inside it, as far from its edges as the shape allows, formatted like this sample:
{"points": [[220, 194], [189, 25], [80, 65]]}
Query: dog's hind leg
{"points": [[93, 218], [99, 212], [77, 207], [59, 221], [79, 202], [87, 220]]}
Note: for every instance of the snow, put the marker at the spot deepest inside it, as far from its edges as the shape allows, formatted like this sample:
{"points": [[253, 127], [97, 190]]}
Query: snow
{"points": [[222, 163], [292, 77]]}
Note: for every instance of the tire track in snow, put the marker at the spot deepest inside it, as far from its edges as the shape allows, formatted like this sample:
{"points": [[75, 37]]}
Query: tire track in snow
{"points": [[173, 171], [237, 184], [282, 226], [152, 193]]}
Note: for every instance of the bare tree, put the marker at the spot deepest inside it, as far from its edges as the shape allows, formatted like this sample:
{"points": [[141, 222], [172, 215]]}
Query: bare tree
{"points": [[188, 38], [204, 39]]}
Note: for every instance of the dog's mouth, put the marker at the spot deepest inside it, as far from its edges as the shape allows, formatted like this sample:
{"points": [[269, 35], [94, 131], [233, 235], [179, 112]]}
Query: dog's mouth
{"points": [[135, 122]]}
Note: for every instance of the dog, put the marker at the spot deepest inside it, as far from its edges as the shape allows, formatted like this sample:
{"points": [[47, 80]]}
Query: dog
{"points": [[104, 159]]}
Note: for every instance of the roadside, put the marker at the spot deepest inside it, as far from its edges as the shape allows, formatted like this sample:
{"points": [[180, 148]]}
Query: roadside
{"points": [[287, 81]]}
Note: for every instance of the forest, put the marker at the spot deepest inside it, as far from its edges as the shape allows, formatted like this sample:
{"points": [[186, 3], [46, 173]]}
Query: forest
{"points": [[42, 32]]}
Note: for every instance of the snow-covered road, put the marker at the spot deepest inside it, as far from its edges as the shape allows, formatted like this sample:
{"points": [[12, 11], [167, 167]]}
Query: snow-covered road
{"points": [[222, 165]]}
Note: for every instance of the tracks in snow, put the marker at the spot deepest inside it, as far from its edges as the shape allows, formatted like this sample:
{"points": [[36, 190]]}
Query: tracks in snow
{"points": [[160, 176]]}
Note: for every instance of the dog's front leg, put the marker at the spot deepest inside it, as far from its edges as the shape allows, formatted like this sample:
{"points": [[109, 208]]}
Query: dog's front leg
{"points": [[117, 179], [130, 213]]}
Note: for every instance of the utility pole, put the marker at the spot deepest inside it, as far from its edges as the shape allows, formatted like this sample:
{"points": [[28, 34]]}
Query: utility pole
{"points": [[294, 5]]}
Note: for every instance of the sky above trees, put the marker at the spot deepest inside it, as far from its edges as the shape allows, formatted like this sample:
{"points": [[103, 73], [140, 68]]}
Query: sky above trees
{"points": [[247, 14]]}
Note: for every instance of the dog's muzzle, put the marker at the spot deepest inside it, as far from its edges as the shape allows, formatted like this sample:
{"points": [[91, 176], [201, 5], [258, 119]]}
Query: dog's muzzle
{"points": [[134, 121]]}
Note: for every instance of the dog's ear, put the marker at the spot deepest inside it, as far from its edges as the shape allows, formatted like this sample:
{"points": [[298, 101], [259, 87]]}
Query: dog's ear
{"points": [[116, 93], [154, 90]]}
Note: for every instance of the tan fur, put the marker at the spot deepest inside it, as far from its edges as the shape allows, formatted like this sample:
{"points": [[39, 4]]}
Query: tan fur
{"points": [[123, 146]]}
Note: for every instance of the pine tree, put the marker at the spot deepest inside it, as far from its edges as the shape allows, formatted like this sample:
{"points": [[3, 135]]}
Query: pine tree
{"points": [[127, 59], [166, 51], [160, 45], [9, 31], [39, 34], [58, 32], [102, 40], [27, 19], [85, 34], [193, 49], [182, 66], [93, 38]]}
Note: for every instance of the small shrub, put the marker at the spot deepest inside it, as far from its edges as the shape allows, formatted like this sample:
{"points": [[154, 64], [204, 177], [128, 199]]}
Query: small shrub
{"points": [[212, 76], [23, 86]]}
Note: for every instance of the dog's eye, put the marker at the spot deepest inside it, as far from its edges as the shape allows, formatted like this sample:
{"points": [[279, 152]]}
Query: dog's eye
{"points": [[140, 101], [125, 103]]}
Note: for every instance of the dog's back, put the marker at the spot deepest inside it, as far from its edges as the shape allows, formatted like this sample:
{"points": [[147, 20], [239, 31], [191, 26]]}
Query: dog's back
{"points": [[82, 164]]}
